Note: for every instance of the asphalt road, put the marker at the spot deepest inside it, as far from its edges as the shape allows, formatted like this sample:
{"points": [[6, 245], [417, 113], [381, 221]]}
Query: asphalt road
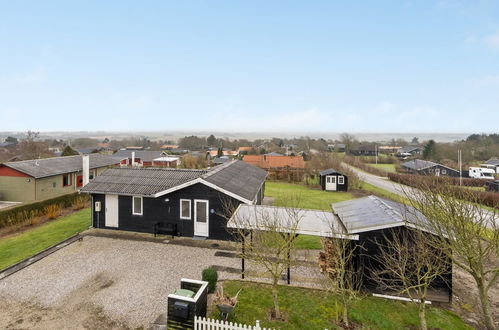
{"points": [[397, 188]]}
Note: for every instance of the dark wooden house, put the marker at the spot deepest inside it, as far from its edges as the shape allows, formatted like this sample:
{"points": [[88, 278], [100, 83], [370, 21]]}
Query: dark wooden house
{"points": [[177, 201], [332, 180], [364, 150], [376, 219], [425, 167]]}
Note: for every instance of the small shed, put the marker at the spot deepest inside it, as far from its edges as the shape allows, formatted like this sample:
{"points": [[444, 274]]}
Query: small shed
{"points": [[332, 180]]}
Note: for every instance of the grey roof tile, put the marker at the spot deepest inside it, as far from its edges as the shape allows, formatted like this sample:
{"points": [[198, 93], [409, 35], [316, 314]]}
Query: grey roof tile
{"points": [[40, 168]]}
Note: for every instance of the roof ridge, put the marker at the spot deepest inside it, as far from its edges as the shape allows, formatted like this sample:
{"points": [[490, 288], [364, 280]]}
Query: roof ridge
{"points": [[387, 208], [218, 168]]}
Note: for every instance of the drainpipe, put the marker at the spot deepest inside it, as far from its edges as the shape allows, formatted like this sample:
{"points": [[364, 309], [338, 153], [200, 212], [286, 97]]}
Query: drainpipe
{"points": [[133, 158]]}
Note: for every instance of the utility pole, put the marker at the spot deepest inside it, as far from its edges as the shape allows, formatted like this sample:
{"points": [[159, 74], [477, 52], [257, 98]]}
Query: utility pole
{"points": [[376, 152]]}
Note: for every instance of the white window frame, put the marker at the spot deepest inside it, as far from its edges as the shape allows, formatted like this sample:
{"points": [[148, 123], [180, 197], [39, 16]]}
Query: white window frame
{"points": [[190, 209], [341, 179], [141, 205]]}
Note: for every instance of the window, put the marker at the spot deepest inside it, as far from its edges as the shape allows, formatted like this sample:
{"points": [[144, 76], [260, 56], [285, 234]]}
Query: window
{"points": [[444, 171], [66, 180], [54, 184], [137, 205], [341, 180], [91, 174], [185, 209]]}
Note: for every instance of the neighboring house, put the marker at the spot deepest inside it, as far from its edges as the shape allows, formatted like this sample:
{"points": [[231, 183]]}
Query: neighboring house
{"points": [[244, 150], [388, 149], [221, 160], [279, 167], [492, 164], [425, 167], [364, 150], [332, 180], [145, 158], [273, 153], [375, 219], [169, 146], [413, 150], [39, 179], [339, 147], [193, 202], [210, 154]]}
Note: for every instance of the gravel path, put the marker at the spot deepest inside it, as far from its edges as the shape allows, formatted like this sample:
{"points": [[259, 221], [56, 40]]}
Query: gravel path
{"points": [[128, 281]]}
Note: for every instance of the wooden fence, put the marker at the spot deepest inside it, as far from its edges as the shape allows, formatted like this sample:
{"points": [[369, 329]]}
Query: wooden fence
{"points": [[202, 323]]}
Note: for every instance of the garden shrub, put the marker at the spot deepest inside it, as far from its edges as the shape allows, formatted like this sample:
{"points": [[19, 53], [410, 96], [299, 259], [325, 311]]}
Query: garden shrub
{"points": [[22, 214], [52, 211], [210, 275]]}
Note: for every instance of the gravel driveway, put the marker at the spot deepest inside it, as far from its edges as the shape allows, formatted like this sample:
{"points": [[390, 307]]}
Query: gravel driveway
{"points": [[102, 283]]}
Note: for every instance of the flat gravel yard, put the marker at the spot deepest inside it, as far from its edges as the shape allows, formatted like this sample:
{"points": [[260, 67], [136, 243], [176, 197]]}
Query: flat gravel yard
{"points": [[102, 283]]}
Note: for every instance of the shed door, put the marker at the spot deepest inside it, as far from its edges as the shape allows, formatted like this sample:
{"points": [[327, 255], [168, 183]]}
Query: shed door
{"points": [[330, 182], [112, 211], [201, 218]]}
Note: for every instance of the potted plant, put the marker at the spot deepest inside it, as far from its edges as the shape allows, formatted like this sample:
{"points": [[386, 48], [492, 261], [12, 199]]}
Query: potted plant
{"points": [[225, 303]]}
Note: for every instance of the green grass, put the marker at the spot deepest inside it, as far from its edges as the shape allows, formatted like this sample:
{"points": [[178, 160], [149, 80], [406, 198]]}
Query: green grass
{"points": [[295, 195], [390, 168], [315, 309], [20, 246]]}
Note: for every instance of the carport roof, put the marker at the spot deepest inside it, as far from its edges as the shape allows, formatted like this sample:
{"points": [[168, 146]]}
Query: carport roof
{"points": [[288, 220], [372, 213]]}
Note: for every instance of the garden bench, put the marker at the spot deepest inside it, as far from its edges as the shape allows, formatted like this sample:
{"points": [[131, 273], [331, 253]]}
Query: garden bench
{"points": [[165, 228]]}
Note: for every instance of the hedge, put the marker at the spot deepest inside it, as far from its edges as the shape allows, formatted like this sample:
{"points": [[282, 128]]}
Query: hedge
{"points": [[24, 212], [483, 197]]}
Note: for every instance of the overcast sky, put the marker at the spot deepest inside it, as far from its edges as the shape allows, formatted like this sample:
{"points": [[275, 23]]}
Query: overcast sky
{"points": [[360, 66]]}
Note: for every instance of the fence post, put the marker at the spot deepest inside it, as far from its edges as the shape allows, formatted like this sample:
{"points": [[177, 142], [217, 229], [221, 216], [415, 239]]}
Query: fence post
{"points": [[257, 326]]}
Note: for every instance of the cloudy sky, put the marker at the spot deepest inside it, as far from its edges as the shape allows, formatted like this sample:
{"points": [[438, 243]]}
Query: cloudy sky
{"points": [[245, 66]]}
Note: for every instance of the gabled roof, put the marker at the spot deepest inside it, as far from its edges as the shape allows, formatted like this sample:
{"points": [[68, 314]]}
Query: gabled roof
{"points": [[494, 161], [40, 168], [143, 155], [420, 164], [236, 179], [140, 181], [268, 162], [372, 213], [408, 149], [329, 172]]}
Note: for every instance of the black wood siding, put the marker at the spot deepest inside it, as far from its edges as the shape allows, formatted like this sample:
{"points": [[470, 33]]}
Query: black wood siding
{"points": [[339, 187], [370, 249], [158, 210]]}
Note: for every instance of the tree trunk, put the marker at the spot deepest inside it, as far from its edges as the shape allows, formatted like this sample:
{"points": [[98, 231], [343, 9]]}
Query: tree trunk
{"points": [[484, 302], [277, 311], [422, 315], [345, 314]]}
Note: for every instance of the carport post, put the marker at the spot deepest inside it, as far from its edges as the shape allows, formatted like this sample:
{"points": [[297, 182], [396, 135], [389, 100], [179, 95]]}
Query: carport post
{"points": [[242, 258], [289, 270]]}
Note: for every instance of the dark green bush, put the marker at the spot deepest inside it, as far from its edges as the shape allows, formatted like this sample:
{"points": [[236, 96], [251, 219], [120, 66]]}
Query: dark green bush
{"points": [[210, 275], [21, 214]]}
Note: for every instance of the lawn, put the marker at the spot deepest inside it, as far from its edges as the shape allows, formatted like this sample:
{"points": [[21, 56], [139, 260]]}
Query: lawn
{"points": [[390, 168], [316, 309], [17, 247], [384, 193], [295, 195]]}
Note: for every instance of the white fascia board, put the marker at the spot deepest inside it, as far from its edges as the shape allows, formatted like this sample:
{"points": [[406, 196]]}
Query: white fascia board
{"points": [[206, 183]]}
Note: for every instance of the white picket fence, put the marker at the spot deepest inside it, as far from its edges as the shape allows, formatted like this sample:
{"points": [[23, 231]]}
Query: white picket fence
{"points": [[203, 323]]}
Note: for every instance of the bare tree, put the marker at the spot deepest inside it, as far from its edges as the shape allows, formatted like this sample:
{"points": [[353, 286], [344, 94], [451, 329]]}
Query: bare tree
{"points": [[470, 233], [338, 263], [409, 263], [272, 232], [30, 147]]}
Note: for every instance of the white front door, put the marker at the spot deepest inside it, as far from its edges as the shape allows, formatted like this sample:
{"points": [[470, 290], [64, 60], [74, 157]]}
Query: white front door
{"points": [[201, 217], [111, 210], [330, 182]]}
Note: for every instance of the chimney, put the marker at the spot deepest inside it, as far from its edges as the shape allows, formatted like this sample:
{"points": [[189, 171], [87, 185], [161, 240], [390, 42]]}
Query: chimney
{"points": [[133, 158], [86, 169]]}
